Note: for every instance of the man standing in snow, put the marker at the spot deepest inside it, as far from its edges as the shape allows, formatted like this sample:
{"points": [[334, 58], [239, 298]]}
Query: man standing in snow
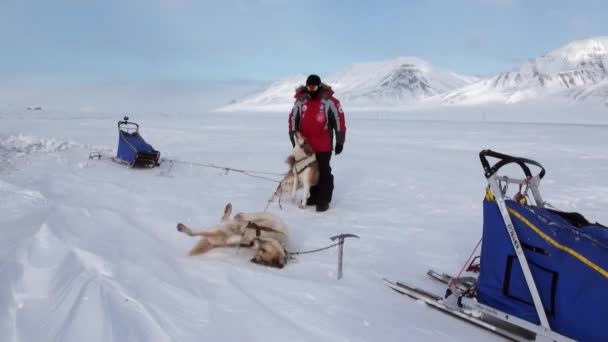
{"points": [[317, 114]]}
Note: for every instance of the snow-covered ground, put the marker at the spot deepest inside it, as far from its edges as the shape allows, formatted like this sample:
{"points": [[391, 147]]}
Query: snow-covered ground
{"points": [[69, 98], [89, 249]]}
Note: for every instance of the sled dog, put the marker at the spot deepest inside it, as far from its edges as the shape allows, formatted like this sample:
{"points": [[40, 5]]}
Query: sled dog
{"points": [[303, 171], [265, 233]]}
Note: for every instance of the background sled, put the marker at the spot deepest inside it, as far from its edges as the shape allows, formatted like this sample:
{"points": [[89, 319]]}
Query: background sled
{"points": [[543, 273], [133, 150]]}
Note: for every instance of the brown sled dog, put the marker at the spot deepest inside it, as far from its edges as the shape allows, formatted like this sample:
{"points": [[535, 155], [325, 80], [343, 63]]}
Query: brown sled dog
{"points": [[263, 232], [303, 171]]}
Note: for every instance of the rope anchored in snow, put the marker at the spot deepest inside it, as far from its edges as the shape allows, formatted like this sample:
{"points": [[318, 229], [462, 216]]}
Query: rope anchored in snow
{"points": [[250, 173], [341, 238], [97, 155]]}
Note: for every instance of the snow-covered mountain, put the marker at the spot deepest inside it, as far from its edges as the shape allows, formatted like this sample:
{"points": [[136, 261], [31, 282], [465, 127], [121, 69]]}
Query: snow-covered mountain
{"points": [[277, 96], [576, 70], [597, 92], [401, 81]]}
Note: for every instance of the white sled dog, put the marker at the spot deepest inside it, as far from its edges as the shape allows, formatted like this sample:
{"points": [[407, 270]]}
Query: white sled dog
{"points": [[303, 171], [263, 232]]}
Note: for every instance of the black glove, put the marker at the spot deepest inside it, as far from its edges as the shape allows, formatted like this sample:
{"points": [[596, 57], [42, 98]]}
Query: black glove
{"points": [[339, 148]]}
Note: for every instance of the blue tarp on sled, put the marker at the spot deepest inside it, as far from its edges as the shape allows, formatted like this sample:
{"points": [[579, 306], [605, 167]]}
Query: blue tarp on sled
{"points": [[133, 150], [568, 261]]}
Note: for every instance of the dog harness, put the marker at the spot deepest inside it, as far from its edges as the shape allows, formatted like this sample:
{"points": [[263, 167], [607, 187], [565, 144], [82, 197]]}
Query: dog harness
{"points": [[304, 163], [259, 229]]}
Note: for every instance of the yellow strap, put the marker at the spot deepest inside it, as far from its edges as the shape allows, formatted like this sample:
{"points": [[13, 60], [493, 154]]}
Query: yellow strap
{"points": [[558, 245], [489, 194]]}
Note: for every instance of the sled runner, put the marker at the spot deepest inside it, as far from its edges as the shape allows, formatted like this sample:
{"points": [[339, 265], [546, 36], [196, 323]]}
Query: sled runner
{"points": [[133, 150], [543, 273]]}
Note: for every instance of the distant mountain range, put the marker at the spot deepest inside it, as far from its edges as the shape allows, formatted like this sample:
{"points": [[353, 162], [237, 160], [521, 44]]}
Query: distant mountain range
{"points": [[399, 82], [577, 71]]}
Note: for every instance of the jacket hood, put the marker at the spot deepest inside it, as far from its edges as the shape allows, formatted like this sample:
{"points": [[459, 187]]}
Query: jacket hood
{"points": [[324, 90]]}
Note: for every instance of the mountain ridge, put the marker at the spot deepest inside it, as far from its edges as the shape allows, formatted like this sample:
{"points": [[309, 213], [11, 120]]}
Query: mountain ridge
{"points": [[575, 71]]}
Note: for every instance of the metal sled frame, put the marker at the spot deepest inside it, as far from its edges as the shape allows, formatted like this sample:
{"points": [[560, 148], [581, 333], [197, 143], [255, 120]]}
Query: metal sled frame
{"points": [[543, 331], [482, 316], [128, 126], [463, 304]]}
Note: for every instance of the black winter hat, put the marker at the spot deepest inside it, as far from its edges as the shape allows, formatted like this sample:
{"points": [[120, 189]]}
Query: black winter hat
{"points": [[313, 80]]}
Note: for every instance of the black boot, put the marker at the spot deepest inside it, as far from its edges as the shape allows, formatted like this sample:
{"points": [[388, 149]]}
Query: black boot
{"points": [[312, 199], [321, 207]]}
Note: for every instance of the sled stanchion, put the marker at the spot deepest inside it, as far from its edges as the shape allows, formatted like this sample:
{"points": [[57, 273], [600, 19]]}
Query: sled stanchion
{"points": [[341, 238]]}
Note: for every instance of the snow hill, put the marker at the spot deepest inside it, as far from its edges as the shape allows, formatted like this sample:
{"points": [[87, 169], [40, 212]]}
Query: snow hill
{"points": [[397, 82], [577, 70]]}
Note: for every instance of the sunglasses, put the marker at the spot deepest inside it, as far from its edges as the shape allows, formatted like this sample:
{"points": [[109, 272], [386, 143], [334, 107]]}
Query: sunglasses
{"points": [[312, 87]]}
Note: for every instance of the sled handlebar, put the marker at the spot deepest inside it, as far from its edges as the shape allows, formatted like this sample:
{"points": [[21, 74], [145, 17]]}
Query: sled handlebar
{"points": [[505, 159], [126, 122]]}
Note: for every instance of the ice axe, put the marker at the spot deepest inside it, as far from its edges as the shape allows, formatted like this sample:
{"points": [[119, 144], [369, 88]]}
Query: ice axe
{"points": [[340, 244]]}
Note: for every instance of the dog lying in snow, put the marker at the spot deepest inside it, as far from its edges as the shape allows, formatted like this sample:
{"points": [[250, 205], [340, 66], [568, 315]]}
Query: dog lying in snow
{"points": [[263, 232], [303, 171]]}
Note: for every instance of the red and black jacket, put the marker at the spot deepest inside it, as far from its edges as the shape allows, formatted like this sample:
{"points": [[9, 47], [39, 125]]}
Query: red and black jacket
{"points": [[317, 119]]}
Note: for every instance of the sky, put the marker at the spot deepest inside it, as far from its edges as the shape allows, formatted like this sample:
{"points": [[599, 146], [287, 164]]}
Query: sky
{"points": [[274, 39]]}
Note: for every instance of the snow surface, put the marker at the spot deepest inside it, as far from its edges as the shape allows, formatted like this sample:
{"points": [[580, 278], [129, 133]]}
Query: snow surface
{"points": [[77, 97], [89, 249]]}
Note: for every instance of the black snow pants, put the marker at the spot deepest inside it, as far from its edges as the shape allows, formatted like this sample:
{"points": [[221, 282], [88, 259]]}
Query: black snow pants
{"points": [[322, 192]]}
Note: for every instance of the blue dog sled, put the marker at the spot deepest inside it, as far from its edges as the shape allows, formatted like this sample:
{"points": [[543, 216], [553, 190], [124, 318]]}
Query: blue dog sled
{"points": [[543, 273], [133, 150]]}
